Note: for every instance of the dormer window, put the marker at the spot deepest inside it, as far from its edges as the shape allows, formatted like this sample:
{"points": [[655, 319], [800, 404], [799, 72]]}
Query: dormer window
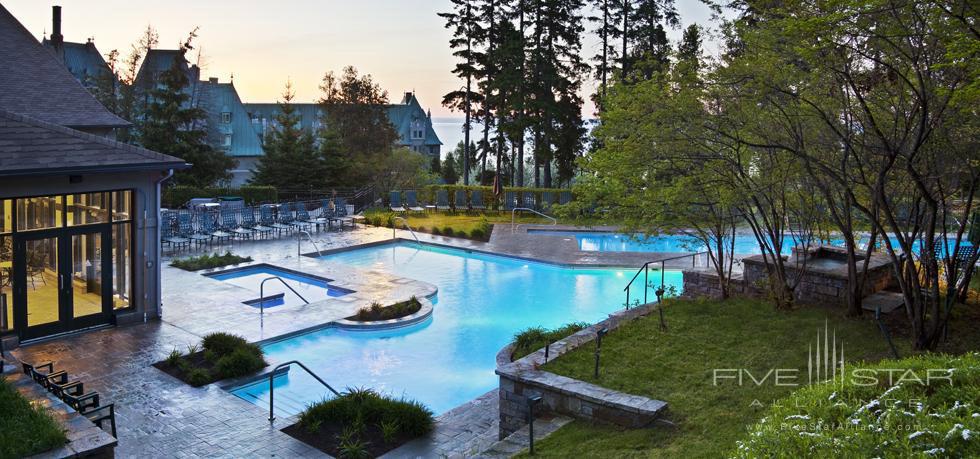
{"points": [[227, 142], [226, 117], [418, 129]]}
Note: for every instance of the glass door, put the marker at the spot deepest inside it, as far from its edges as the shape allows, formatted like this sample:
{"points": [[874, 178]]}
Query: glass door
{"points": [[64, 281]]}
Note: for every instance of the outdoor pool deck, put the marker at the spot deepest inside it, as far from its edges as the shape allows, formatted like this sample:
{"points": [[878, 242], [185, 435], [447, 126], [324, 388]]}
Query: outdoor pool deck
{"points": [[159, 416]]}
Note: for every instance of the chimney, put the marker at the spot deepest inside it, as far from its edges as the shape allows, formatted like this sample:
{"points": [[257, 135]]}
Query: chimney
{"points": [[213, 80], [56, 38]]}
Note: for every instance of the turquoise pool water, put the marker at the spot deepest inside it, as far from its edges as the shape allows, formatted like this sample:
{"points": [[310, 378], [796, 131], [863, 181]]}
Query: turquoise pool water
{"points": [[483, 301], [311, 288], [598, 241]]}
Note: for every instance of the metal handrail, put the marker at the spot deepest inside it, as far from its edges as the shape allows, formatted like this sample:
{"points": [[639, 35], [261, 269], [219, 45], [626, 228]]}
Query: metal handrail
{"points": [[272, 388], [405, 222], [309, 236], [262, 292], [645, 269], [513, 214]]}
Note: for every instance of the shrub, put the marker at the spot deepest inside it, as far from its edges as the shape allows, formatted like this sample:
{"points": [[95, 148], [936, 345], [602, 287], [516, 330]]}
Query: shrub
{"points": [[534, 338], [173, 359], [906, 414], [389, 430], [353, 449], [367, 406], [378, 312], [448, 231], [436, 231], [198, 377], [222, 343], [478, 234], [243, 361], [207, 261]]}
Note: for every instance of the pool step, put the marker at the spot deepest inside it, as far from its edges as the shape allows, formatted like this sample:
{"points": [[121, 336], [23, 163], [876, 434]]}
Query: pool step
{"points": [[286, 404]]}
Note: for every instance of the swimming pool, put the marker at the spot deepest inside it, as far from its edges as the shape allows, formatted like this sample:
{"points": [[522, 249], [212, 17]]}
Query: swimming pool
{"points": [[312, 288], [600, 241], [483, 301]]}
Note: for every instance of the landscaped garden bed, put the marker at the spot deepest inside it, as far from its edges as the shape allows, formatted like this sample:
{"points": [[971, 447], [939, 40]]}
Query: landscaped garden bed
{"points": [[678, 366], [361, 423], [876, 415], [25, 428], [477, 227], [221, 356], [377, 312], [535, 338], [209, 261]]}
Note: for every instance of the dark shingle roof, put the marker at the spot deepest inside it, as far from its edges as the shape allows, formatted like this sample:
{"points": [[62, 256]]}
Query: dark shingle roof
{"points": [[33, 147], [35, 84]]}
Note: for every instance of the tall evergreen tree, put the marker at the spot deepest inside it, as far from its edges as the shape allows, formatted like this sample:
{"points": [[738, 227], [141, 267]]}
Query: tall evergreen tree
{"points": [[174, 127], [290, 160], [607, 30], [463, 23]]}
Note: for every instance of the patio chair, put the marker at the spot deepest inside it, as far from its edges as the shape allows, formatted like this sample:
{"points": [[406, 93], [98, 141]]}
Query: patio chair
{"points": [[510, 201], [102, 414], [303, 216], [248, 221], [83, 402], [565, 197], [527, 200], [35, 369], [286, 216], [476, 201], [412, 203], [442, 200], [208, 228], [547, 199], [340, 212], [167, 235], [186, 230], [396, 202], [230, 224], [459, 201], [267, 219]]}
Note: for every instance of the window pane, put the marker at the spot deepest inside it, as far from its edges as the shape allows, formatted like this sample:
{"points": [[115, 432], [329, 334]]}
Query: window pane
{"points": [[6, 270], [121, 275], [88, 208], [122, 205], [39, 213], [6, 215], [42, 281], [86, 277]]}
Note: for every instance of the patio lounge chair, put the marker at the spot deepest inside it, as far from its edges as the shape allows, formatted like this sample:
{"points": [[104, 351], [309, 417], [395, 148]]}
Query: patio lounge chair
{"points": [[565, 197], [460, 200], [340, 213], [476, 201], [248, 221], [547, 199], [303, 216], [187, 230], [442, 200], [527, 200], [287, 216], [510, 201], [230, 224], [167, 235], [207, 227], [411, 202], [396, 202], [267, 219]]}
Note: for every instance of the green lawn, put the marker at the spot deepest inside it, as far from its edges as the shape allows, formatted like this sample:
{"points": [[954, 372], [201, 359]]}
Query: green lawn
{"points": [[460, 222], [25, 428], [677, 366]]}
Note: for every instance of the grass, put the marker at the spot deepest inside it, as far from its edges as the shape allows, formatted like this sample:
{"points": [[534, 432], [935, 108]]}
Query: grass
{"points": [[871, 416], [449, 224], [25, 429], [378, 312], [223, 356], [362, 423], [534, 338], [208, 261], [677, 366]]}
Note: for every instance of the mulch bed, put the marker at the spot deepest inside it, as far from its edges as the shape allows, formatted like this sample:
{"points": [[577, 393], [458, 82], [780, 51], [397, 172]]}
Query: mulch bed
{"points": [[196, 360], [325, 439]]}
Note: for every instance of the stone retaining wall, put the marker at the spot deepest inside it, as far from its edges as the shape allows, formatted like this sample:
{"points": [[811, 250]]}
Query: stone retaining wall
{"points": [[560, 394]]}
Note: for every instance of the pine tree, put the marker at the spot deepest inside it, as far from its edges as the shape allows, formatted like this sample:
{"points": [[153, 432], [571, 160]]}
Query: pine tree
{"points": [[607, 30], [172, 126], [463, 23], [290, 160], [647, 35], [450, 168]]}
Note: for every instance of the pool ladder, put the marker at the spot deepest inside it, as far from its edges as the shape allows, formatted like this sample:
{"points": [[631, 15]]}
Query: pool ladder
{"points": [[299, 240], [513, 215], [262, 292], [272, 387], [404, 222]]}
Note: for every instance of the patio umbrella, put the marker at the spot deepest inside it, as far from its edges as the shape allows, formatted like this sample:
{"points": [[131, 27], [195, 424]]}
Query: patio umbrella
{"points": [[498, 186]]}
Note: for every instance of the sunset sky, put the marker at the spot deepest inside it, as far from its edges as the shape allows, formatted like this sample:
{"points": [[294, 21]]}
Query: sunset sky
{"points": [[401, 43]]}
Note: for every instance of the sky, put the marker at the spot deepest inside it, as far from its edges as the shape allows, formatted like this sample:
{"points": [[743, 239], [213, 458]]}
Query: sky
{"points": [[401, 43]]}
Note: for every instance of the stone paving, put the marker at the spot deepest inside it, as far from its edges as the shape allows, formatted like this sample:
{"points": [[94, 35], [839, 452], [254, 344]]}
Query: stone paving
{"points": [[159, 416]]}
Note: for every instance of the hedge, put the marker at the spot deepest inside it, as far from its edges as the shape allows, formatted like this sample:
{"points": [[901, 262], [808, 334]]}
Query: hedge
{"points": [[177, 196], [428, 194]]}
